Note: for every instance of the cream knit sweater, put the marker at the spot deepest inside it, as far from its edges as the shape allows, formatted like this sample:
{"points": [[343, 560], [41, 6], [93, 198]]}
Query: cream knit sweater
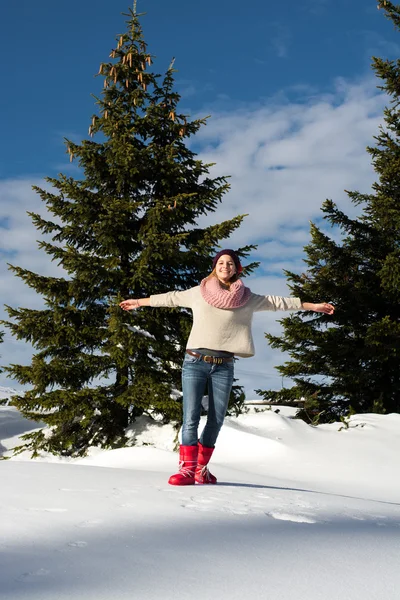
{"points": [[223, 329]]}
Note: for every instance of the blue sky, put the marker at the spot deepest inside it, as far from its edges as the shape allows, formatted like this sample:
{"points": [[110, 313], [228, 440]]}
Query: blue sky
{"points": [[289, 88], [226, 52]]}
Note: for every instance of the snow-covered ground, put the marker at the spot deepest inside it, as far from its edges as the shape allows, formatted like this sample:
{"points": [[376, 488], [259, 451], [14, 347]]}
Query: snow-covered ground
{"points": [[299, 513]]}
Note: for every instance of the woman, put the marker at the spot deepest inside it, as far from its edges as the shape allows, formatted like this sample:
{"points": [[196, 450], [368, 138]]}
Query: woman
{"points": [[222, 313]]}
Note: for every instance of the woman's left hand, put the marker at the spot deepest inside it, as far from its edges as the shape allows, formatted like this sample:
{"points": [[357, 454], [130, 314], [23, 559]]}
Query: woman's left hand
{"points": [[324, 307]]}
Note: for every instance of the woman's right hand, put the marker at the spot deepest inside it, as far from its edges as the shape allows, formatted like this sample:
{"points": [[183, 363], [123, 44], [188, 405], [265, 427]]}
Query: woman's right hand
{"points": [[130, 304]]}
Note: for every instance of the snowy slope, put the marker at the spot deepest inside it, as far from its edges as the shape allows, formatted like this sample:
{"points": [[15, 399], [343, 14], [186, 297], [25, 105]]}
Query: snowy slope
{"points": [[298, 513], [6, 393]]}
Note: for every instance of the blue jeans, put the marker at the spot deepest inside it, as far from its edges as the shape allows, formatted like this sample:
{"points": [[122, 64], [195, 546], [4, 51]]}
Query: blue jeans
{"points": [[195, 375]]}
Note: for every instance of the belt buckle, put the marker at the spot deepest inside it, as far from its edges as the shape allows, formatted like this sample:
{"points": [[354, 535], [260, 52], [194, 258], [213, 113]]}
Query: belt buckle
{"points": [[207, 359]]}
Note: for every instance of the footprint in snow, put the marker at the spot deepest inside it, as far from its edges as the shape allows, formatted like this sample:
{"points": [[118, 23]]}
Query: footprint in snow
{"points": [[302, 504], [296, 518], [239, 511], [379, 520], [33, 576], [90, 523], [214, 505], [77, 544], [70, 546], [196, 507]]}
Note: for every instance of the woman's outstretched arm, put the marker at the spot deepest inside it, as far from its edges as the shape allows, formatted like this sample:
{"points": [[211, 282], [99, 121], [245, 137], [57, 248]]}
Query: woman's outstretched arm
{"points": [[169, 300], [133, 303]]}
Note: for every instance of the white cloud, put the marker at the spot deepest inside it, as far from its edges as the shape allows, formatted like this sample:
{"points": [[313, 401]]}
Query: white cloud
{"points": [[285, 159], [18, 246]]}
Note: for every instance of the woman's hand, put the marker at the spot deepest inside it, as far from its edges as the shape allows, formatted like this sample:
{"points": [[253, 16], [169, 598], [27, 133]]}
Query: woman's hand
{"points": [[130, 304], [323, 307]]}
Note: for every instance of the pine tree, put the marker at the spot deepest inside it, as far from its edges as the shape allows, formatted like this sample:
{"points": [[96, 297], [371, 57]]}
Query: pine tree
{"points": [[127, 228], [351, 361]]}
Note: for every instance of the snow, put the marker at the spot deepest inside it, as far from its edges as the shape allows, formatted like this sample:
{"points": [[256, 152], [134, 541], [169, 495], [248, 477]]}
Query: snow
{"points": [[6, 393], [300, 512]]}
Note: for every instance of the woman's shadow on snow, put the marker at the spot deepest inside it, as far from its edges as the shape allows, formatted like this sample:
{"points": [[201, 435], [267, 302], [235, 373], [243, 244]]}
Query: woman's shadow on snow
{"points": [[257, 486]]}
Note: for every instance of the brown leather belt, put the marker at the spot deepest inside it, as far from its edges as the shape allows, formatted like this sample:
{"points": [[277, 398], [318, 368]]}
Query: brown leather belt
{"points": [[214, 360]]}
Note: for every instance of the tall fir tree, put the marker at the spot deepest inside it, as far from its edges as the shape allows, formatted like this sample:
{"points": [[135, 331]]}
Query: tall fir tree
{"points": [[351, 361], [127, 228]]}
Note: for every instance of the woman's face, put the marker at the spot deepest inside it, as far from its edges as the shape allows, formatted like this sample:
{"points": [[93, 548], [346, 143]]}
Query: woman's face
{"points": [[225, 268]]}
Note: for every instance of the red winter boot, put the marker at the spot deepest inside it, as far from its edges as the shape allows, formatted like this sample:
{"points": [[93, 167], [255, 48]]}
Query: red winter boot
{"points": [[203, 475], [187, 466]]}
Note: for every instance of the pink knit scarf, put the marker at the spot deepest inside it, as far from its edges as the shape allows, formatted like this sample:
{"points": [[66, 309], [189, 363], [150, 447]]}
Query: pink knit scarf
{"points": [[213, 293]]}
